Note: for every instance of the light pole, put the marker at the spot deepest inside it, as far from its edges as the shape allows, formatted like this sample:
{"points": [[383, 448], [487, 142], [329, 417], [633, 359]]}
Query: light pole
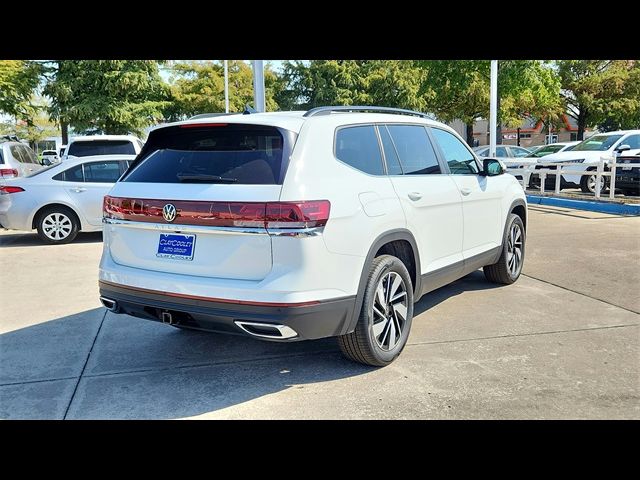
{"points": [[493, 108], [258, 86], [226, 87]]}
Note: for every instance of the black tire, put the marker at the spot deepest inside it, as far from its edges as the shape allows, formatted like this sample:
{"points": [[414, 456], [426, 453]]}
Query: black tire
{"points": [[630, 193], [501, 271], [362, 345], [584, 181], [69, 226]]}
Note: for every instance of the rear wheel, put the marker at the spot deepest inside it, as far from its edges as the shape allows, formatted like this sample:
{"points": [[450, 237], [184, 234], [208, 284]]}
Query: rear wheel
{"points": [[385, 319], [57, 225], [508, 267]]}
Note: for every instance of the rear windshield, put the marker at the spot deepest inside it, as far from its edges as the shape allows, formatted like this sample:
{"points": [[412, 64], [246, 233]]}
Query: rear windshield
{"points": [[101, 147], [216, 153]]}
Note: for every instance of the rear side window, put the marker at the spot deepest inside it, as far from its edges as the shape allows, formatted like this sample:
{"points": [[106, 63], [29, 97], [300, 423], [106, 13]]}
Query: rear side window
{"points": [[215, 153], [101, 147], [29, 155], [102, 172], [359, 148], [73, 174], [416, 153], [16, 152]]}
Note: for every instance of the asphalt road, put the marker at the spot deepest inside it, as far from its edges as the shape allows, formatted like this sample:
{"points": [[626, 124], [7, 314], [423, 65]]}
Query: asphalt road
{"points": [[563, 342]]}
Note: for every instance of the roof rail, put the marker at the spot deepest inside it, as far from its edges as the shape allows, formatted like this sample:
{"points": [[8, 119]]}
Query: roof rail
{"points": [[345, 108]]}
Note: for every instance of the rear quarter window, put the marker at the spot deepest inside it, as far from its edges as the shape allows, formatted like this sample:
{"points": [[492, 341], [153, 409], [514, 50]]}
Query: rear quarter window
{"points": [[359, 147], [217, 153]]}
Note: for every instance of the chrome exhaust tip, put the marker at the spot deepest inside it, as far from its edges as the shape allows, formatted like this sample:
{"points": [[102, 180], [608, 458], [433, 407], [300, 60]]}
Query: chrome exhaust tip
{"points": [[267, 330], [109, 304]]}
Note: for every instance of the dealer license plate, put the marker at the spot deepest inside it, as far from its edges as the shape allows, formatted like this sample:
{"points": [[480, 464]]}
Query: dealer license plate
{"points": [[176, 246]]}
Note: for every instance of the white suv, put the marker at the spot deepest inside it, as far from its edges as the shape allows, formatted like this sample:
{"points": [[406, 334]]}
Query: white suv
{"points": [[292, 225]]}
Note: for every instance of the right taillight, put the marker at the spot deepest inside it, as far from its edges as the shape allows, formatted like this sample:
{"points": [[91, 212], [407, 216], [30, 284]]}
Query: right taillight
{"points": [[8, 172], [307, 214], [7, 189]]}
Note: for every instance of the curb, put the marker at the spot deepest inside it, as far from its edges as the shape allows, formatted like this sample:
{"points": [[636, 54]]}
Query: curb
{"points": [[614, 208]]}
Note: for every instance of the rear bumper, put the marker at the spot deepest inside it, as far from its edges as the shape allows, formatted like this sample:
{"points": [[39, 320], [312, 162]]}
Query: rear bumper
{"points": [[308, 320]]}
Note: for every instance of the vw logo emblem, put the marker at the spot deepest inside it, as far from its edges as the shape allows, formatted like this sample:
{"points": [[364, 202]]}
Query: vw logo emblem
{"points": [[169, 212]]}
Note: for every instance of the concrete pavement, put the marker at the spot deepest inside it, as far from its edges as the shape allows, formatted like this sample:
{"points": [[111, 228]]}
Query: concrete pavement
{"points": [[563, 342]]}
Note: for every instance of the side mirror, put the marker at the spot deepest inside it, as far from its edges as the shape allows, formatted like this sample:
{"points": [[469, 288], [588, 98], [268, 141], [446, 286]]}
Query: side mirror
{"points": [[492, 167], [623, 148]]}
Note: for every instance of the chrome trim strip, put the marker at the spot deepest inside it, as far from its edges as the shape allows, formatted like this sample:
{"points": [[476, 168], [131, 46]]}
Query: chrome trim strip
{"points": [[295, 232], [171, 227], [285, 331]]}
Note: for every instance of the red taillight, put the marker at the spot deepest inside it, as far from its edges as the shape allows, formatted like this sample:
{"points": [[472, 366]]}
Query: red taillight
{"points": [[297, 214], [196, 125], [8, 172], [6, 190], [221, 214]]}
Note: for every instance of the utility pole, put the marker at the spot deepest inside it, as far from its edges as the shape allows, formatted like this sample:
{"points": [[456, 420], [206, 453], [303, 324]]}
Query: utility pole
{"points": [[258, 86], [493, 108], [226, 87]]}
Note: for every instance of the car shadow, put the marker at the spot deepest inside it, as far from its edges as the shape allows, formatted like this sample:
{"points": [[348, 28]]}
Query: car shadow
{"points": [[472, 282], [147, 370], [139, 369], [32, 240]]}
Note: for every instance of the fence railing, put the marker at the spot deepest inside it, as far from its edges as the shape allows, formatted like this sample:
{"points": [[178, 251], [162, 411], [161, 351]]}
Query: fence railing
{"points": [[606, 167]]}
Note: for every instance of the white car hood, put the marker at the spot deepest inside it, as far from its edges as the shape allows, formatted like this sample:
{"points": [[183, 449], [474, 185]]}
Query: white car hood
{"points": [[587, 156]]}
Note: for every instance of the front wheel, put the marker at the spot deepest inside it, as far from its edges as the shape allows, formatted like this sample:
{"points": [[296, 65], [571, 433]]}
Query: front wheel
{"points": [[385, 319], [509, 266], [588, 184]]}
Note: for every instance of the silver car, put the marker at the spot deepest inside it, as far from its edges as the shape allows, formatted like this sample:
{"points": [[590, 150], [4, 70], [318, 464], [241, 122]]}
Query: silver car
{"points": [[503, 151], [61, 200], [17, 160]]}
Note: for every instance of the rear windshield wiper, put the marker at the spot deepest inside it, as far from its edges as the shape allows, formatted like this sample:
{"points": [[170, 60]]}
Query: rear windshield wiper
{"points": [[200, 177]]}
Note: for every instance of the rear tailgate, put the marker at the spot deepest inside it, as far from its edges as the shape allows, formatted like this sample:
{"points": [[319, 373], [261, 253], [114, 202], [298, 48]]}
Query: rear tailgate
{"points": [[194, 201]]}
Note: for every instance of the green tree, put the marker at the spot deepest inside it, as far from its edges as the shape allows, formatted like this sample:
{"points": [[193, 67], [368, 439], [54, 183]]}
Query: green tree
{"points": [[459, 89], [351, 82], [601, 91], [198, 87], [112, 96], [18, 82]]}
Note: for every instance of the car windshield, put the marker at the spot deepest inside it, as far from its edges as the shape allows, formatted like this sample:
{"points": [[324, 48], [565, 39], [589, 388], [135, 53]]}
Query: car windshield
{"points": [[597, 143], [546, 150]]}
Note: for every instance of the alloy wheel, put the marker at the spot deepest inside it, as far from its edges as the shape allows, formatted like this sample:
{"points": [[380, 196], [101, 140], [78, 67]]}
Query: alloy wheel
{"points": [[57, 226], [514, 250], [389, 310]]}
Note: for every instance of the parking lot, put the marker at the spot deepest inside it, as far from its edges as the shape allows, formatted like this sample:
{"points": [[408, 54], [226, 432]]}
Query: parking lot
{"points": [[563, 342]]}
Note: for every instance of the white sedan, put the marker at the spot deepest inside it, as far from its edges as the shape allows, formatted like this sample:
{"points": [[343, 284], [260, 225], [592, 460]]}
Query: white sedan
{"points": [[61, 200]]}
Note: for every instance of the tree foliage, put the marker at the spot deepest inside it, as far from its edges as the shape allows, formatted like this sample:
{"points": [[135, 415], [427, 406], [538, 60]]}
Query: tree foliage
{"points": [[351, 82], [601, 91], [198, 87], [18, 82], [111, 96], [459, 89]]}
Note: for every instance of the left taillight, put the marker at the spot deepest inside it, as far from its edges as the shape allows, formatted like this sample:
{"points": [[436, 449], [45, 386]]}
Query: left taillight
{"points": [[5, 190], [8, 172]]}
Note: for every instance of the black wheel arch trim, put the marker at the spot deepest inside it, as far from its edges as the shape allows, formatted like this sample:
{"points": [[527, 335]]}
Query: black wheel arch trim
{"points": [[387, 237]]}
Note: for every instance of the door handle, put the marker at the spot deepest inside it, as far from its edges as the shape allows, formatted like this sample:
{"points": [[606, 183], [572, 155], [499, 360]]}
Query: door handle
{"points": [[415, 196], [465, 191], [78, 189]]}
